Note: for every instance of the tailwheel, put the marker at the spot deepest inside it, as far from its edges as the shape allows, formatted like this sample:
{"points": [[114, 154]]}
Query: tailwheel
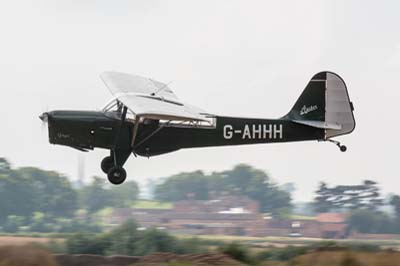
{"points": [[116, 175], [342, 148], [107, 163]]}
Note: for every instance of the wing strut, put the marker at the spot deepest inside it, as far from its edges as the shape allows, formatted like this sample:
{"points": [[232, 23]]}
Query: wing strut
{"points": [[135, 130], [123, 117], [150, 135], [113, 151]]}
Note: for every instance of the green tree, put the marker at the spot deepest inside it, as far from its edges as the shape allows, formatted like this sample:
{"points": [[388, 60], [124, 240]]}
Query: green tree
{"points": [[13, 223], [95, 196], [322, 202], [124, 195], [123, 240], [86, 243], [241, 180], [155, 241], [34, 194], [26, 190], [237, 252], [127, 239], [54, 194], [5, 166], [372, 221], [183, 186], [363, 196], [41, 223], [395, 202], [17, 195], [256, 184]]}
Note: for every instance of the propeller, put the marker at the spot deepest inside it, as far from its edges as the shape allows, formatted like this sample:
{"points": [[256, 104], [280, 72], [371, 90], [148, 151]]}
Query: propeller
{"points": [[45, 118]]}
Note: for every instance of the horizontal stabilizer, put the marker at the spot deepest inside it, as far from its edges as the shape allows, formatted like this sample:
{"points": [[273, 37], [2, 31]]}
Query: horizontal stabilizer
{"points": [[319, 124]]}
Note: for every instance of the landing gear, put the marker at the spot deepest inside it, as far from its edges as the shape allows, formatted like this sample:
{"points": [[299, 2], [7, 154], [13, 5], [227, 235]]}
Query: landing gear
{"points": [[112, 165], [121, 149], [342, 148], [116, 175], [107, 163]]}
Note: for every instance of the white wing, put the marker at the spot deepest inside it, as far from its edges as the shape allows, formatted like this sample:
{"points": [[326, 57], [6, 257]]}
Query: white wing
{"points": [[150, 98]]}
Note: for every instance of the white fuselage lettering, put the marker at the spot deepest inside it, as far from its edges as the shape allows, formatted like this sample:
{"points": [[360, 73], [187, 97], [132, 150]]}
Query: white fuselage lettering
{"points": [[255, 131], [278, 131], [246, 132], [228, 134]]}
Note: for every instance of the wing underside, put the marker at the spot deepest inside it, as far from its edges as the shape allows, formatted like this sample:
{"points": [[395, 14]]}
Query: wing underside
{"points": [[149, 98]]}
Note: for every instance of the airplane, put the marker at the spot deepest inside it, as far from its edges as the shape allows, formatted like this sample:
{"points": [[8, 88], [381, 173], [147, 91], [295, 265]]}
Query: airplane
{"points": [[145, 118]]}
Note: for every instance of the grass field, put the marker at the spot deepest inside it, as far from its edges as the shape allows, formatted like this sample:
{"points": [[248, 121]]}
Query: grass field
{"points": [[23, 240], [36, 256], [302, 217], [215, 240], [312, 257], [341, 258], [152, 204], [261, 242]]}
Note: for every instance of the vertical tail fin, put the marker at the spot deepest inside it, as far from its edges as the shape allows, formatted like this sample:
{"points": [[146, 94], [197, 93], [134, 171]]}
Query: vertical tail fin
{"points": [[325, 103]]}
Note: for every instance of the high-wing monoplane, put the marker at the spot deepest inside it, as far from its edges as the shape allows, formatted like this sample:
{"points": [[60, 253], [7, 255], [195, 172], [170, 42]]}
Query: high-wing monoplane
{"points": [[145, 118]]}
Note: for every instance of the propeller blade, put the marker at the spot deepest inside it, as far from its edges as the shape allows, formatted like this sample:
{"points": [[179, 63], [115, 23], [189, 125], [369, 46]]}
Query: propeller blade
{"points": [[45, 118]]}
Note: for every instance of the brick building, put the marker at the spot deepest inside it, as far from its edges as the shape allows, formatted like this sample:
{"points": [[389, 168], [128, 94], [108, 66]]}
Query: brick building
{"points": [[230, 215], [333, 225]]}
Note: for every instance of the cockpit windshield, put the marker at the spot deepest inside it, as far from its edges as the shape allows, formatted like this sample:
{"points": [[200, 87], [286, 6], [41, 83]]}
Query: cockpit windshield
{"points": [[114, 109]]}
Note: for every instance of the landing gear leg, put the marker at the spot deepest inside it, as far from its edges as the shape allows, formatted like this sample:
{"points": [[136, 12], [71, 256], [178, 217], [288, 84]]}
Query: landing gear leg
{"points": [[112, 165], [342, 148]]}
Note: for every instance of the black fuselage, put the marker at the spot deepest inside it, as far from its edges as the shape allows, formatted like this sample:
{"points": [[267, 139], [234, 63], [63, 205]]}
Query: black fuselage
{"points": [[161, 125], [85, 130]]}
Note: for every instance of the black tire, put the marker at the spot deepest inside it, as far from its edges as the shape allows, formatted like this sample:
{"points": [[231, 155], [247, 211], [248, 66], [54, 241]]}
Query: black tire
{"points": [[116, 175], [107, 163], [343, 148]]}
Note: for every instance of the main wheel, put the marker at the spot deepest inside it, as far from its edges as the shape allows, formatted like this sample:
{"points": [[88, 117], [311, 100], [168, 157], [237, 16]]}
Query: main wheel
{"points": [[116, 175], [107, 163], [343, 148]]}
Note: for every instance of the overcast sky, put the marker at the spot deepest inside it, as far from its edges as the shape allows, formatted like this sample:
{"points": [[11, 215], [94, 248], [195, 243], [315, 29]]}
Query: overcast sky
{"points": [[239, 58]]}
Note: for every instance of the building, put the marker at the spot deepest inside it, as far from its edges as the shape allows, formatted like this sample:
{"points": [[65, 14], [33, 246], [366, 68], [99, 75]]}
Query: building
{"points": [[228, 215], [333, 224], [324, 225], [231, 215], [293, 228]]}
